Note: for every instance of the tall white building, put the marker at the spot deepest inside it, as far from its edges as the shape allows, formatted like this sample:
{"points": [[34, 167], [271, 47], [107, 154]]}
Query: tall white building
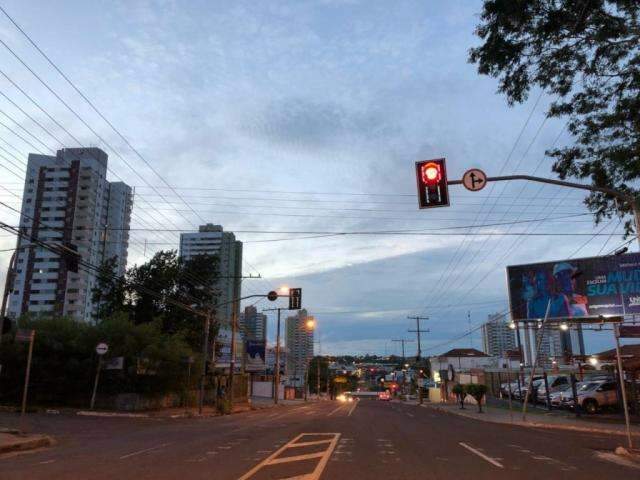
{"points": [[299, 346], [497, 337], [212, 240], [67, 200]]}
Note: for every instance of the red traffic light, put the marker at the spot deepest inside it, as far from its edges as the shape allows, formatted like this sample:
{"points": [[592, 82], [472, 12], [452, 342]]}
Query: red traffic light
{"points": [[433, 190], [431, 173]]}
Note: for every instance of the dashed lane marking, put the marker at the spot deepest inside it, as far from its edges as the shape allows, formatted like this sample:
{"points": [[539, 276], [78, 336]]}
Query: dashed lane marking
{"points": [[355, 404], [150, 449], [334, 411], [322, 456], [492, 461]]}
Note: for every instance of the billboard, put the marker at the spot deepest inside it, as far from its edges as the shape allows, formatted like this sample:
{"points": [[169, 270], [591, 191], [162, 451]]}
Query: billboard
{"points": [[255, 355], [582, 287]]}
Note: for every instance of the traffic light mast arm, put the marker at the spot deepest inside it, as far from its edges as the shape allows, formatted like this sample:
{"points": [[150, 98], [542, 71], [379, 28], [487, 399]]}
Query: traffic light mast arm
{"points": [[630, 199], [608, 191]]}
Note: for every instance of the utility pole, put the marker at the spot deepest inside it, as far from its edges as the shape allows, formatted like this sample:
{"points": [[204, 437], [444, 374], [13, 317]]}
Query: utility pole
{"points": [[205, 355], [417, 332], [403, 341], [276, 373]]}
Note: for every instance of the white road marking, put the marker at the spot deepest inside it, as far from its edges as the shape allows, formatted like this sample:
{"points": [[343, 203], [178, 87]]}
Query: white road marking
{"points": [[355, 404], [334, 411], [46, 462], [224, 447], [323, 456], [410, 415], [157, 447], [481, 455]]}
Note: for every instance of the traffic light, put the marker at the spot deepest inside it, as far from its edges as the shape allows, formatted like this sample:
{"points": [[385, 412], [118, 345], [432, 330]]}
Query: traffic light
{"points": [[295, 298], [433, 190]]}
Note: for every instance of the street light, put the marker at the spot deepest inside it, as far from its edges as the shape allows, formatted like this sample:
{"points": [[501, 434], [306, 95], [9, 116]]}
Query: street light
{"points": [[593, 361], [311, 324], [564, 327], [512, 325]]}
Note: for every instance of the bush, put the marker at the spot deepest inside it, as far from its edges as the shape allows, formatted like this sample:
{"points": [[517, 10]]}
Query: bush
{"points": [[477, 391]]}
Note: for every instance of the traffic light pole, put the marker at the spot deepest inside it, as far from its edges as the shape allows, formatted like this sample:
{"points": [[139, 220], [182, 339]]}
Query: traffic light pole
{"points": [[625, 197]]}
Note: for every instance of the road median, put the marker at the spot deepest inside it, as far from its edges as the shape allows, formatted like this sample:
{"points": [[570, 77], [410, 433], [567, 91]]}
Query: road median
{"points": [[16, 442]]}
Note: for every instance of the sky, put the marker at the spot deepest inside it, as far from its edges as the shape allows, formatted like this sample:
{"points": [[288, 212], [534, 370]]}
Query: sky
{"points": [[307, 117]]}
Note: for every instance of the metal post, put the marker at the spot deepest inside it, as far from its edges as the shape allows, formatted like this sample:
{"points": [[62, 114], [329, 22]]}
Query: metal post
{"points": [[318, 376], [26, 380], [205, 354], [636, 216], [546, 389], [232, 363], [509, 386], [519, 375], [574, 392], [616, 333], [95, 383], [306, 379], [535, 362], [276, 377]]}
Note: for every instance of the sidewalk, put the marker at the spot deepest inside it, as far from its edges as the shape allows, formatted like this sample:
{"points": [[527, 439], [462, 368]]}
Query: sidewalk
{"points": [[535, 419], [15, 442]]}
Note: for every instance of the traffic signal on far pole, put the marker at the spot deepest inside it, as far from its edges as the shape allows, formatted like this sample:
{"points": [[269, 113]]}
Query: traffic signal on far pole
{"points": [[295, 298], [431, 176]]}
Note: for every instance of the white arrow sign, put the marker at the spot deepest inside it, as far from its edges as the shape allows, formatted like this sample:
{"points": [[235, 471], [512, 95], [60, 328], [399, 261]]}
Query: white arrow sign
{"points": [[474, 179], [102, 348]]}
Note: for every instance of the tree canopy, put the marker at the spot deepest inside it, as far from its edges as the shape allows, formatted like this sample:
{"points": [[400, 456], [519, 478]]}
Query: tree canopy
{"points": [[149, 292], [586, 53]]}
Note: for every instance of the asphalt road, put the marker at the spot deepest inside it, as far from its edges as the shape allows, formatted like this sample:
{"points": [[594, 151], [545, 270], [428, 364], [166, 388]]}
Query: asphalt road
{"points": [[327, 440]]}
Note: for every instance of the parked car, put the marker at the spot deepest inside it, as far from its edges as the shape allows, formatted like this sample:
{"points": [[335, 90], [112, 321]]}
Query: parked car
{"points": [[596, 395], [554, 382], [556, 395]]}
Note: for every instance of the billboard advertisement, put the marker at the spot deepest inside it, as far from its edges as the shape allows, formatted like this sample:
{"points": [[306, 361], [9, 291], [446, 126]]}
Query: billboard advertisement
{"points": [[255, 355], [582, 287]]}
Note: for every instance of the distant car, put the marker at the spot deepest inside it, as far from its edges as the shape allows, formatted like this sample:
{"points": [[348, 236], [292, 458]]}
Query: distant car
{"points": [[384, 396]]}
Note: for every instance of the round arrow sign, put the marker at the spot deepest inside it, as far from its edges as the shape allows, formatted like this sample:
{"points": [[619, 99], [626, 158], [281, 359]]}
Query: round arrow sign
{"points": [[474, 179], [102, 348]]}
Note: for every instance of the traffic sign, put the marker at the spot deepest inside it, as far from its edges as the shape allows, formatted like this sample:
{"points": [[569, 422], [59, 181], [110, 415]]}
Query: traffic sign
{"points": [[102, 348], [272, 296], [474, 179]]}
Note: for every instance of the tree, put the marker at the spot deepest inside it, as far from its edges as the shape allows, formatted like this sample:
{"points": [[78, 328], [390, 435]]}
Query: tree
{"points": [[477, 391], [156, 290], [587, 54]]}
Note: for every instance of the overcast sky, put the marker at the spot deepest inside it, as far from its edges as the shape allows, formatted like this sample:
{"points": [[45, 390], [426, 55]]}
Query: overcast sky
{"points": [[238, 103]]}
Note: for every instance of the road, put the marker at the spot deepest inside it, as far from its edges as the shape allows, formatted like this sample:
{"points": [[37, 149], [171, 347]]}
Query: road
{"points": [[364, 440]]}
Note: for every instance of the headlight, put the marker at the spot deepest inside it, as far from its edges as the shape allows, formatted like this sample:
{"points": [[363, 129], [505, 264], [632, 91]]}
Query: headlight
{"points": [[341, 398], [350, 399]]}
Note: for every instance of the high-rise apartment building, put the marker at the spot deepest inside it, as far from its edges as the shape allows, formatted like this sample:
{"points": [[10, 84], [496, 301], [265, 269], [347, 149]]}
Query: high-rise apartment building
{"points": [[252, 324], [299, 346], [497, 337], [67, 200], [212, 240]]}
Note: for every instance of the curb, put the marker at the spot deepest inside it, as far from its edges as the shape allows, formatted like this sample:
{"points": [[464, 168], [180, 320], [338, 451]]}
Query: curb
{"points": [[547, 426], [31, 444], [86, 413]]}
